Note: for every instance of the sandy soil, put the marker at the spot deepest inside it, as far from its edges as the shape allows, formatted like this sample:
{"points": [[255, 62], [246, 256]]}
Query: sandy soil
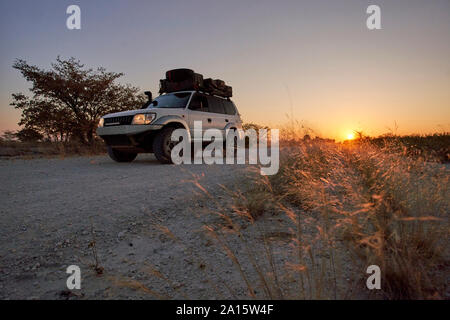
{"points": [[49, 207]]}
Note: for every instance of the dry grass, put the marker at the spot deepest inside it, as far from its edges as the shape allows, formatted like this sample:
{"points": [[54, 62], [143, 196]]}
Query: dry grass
{"points": [[404, 228], [386, 208]]}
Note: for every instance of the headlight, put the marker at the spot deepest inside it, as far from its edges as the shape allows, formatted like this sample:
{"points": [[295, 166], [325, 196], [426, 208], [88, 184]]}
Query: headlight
{"points": [[143, 118], [101, 122]]}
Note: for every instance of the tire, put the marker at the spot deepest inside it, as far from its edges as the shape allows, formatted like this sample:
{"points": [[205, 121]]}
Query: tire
{"points": [[163, 145], [121, 156]]}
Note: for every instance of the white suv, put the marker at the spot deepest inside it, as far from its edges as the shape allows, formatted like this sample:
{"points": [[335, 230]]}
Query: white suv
{"points": [[131, 132]]}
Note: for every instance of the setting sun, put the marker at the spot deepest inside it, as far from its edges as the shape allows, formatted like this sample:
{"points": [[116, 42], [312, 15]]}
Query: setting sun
{"points": [[350, 136]]}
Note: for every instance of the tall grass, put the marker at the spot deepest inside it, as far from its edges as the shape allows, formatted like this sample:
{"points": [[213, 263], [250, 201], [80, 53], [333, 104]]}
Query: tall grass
{"points": [[385, 208], [311, 231], [350, 206]]}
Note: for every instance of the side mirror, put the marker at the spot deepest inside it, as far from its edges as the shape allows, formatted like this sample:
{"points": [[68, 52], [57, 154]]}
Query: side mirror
{"points": [[154, 103]]}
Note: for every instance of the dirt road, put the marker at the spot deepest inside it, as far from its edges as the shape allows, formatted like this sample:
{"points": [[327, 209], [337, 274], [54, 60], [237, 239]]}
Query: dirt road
{"points": [[50, 206]]}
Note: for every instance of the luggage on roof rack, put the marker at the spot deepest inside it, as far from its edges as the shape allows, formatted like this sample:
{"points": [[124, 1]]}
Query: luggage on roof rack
{"points": [[217, 87], [179, 80], [178, 75], [187, 79]]}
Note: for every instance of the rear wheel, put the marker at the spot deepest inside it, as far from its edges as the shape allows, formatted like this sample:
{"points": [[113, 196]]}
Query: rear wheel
{"points": [[163, 145], [121, 156]]}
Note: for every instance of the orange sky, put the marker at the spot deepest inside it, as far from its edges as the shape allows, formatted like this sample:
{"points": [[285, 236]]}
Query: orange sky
{"points": [[313, 60]]}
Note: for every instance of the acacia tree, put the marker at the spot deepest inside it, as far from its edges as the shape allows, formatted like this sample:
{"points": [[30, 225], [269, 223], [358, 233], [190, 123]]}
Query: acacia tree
{"points": [[69, 99]]}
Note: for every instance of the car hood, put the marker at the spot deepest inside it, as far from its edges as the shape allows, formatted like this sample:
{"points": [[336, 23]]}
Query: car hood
{"points": [[159, 112], [126, 113]]}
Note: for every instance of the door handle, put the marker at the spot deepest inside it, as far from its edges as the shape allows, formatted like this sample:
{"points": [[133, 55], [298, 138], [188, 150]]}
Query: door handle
{"points": [[209, 120]]}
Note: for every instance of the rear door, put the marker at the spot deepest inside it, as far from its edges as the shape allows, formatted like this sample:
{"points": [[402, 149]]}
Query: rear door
{"points": [[231, 111], [217, 110]]}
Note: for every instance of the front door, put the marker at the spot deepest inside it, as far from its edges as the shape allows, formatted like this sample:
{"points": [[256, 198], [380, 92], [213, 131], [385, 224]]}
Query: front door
{"points": [[198, 110]]}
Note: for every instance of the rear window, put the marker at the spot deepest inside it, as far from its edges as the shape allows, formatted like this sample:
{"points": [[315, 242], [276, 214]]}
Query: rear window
{"points": [[229, 107], [216, 105]]}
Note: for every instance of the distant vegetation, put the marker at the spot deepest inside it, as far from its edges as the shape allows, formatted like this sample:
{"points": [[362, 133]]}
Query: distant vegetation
{"points": [[430, 147], [434, 147], [12, 146]]}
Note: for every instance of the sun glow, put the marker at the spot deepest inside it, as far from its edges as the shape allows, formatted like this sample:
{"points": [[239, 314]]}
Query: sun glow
{"points": [[350, 136]]}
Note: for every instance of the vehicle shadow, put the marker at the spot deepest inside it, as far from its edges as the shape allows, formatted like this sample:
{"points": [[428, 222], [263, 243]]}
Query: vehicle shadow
{"points": [[142, 159]]}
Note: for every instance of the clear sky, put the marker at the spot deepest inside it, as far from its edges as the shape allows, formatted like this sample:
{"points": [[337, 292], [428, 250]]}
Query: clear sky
{"points": [[315, 60]]}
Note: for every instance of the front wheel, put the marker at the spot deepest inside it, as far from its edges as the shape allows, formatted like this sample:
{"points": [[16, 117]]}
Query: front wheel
{"points": [[163, 145], [121, 156]]}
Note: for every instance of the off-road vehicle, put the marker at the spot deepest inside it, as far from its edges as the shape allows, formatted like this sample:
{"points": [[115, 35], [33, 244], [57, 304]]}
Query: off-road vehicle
{"points": [[149, 129]]}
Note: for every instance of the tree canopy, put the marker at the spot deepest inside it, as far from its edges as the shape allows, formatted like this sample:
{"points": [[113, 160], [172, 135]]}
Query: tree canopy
{"points": [[68, 100]]}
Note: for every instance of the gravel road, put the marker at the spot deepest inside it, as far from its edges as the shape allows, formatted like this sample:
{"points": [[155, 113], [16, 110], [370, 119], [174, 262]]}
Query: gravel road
{"points": [[139, 231], [52, 210]]}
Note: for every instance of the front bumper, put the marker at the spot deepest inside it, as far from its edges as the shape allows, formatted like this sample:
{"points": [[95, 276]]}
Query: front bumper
{"points": [[127, 130], [129, 136]]}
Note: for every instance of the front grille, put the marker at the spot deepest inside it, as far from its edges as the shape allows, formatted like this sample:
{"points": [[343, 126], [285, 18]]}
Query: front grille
{"points": [[118, 121]]}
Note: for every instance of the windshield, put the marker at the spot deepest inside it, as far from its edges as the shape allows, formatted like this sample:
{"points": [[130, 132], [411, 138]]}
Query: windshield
{"points": [[172, 100]]}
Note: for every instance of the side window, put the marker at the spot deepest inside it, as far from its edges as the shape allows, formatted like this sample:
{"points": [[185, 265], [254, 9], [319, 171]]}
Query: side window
{"points": [[229, 107], [216, 105], [199, 103]]}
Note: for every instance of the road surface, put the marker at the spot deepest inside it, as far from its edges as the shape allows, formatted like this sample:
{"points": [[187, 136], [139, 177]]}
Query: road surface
{"points": [[49, 208]]}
